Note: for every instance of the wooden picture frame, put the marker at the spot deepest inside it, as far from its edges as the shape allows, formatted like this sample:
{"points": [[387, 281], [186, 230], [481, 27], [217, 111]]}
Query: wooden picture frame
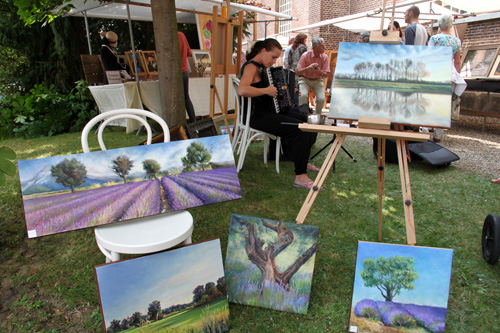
{"points": [[202, 60], [150, 62], [140, 65], [477, 61], [495, 69]]}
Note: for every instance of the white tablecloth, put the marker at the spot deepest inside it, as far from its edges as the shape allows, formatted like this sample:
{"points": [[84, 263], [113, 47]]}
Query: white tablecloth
{"points": [[199, 93], [126, 95], [118, 96]]}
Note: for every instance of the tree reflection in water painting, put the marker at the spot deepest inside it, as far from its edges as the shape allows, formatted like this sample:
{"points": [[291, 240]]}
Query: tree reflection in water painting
{"points": [[406, 83]]}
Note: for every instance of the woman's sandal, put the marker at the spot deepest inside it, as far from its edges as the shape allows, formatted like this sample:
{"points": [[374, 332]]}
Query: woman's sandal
{"points": [[497, 181], [306, 186], [313, 168]]}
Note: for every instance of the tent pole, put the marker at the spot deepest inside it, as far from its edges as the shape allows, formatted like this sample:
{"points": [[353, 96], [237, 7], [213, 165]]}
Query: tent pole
{"points": [[87, 30], [134, 55]]}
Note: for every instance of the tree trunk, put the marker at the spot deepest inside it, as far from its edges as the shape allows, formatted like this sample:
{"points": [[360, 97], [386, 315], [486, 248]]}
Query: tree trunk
{"points": [[265, 259], [169, 62]]}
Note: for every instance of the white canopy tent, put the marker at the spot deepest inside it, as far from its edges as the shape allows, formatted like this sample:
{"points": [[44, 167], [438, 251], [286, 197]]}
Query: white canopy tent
{"points": [[140, 10], [429, 11]]}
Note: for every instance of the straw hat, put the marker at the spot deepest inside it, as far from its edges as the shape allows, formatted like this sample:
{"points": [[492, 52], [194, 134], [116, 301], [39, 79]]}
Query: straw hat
{"points": [[111, 37]]}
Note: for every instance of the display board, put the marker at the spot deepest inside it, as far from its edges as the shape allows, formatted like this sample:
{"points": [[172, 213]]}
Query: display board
{"points": [[63, 193], [408, 84]]}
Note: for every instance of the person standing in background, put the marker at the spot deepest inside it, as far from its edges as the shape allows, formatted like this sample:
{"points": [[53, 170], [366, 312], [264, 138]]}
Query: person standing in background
{"points": [[186, 52], [445, 38], [292, 58], [415, 33]]}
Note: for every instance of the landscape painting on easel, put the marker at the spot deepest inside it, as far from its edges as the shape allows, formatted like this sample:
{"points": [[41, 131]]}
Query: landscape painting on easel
{"points": [[400, 288], [409, 84], [270, 263], [180, 290], [70, 192]]}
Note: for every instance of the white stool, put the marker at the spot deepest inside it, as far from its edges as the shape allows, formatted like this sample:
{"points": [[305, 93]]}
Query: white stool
{"points": [[144, 235]]}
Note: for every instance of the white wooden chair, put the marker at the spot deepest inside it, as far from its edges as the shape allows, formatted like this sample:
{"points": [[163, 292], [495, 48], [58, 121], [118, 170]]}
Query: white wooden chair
{"points": [[143, 235], [245, 135]]}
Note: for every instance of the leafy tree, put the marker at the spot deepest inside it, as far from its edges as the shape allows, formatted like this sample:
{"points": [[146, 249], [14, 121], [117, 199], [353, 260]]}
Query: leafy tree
{"points": [[122, 166], [151, 167], [136, 319], [115, 325], [221, 285], [211, 290], [197, 156], [389, 275], [154, 311], [125, 324], [69, 173], [198, 293]]}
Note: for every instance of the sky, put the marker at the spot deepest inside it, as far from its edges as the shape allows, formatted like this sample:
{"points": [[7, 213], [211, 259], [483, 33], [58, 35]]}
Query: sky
{"points": [[433, 266], [169, 277], [437, 59], [168, 155]]}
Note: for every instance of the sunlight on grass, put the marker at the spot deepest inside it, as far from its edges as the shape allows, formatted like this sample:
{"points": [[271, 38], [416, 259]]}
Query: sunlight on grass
{"points": [[450, 205]]}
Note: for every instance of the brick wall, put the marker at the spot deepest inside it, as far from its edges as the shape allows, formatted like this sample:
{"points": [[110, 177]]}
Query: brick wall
{"points": [[313, 11], [482, 33]]}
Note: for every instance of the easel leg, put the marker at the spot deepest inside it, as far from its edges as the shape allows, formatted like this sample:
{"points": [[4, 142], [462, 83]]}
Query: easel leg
{"points": [[318, 182], [380, 182], [405, 186]]}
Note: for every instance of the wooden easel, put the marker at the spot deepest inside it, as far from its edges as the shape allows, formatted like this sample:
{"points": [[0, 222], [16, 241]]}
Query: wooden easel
{"points": [[222, 33], [380, 129]]}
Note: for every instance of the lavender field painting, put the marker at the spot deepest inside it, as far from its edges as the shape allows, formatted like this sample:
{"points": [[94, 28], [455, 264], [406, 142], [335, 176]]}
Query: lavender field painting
{"points": [[64, 193], [400, 288], [180, 290], [270, 263], [407, 83]]}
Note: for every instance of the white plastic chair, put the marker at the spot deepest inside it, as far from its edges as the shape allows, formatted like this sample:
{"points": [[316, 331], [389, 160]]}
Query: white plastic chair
{"points": [[147, 234], [245, 135]]}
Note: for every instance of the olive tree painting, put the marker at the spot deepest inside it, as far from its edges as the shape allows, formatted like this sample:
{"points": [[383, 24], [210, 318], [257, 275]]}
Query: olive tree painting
{"points": [[180, 290], [408, 84], [63, 193], [400, 288], [270, 263]]}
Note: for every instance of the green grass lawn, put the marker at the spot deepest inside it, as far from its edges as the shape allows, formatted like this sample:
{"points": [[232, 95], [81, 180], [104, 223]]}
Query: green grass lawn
{"points": [[184, 320], [49, 285]]}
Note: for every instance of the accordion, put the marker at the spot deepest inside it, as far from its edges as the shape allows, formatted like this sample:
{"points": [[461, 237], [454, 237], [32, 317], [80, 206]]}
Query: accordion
{"points": [[279, 78]]}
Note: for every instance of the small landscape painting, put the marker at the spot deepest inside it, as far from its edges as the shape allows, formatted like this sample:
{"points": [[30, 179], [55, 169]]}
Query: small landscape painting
{"points": [[181, 290], [409, 84], [78, 191], [400, 288], [270, 263]]}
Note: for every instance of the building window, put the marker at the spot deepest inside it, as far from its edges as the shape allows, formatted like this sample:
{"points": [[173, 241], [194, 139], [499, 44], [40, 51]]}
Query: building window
{"points": [[285, 26]]}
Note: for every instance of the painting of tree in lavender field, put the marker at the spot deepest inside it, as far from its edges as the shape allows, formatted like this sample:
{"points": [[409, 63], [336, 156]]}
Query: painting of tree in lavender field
{"points": [[270, 263], [64, 193], [400, 288], [408, 84]]}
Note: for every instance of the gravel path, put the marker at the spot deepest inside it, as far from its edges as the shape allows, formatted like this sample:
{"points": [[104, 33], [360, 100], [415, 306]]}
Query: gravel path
{"points": [[478, 149]]}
